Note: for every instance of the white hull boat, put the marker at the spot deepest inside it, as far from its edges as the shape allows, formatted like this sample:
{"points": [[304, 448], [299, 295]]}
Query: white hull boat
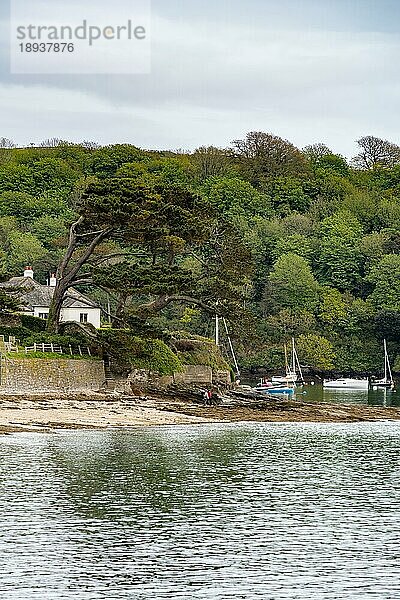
{"points": [[293, 371], [387, 381], [382, 383], [289, 379], [345, 383]]}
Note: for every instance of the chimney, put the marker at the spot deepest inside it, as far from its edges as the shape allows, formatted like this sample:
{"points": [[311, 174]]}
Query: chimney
{"points": [[28, 272], [52, 280]]}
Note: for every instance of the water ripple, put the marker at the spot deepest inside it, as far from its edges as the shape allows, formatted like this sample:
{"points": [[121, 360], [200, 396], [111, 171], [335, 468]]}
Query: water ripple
{"points": [[272, 511]]}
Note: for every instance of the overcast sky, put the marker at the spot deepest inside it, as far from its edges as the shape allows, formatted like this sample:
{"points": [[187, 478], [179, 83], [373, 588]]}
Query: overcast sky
{"points": [[309, 71]]}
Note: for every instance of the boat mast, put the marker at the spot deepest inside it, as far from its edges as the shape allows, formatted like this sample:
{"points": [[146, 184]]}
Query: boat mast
{"points": [[388, 370], [293, 365], [286, 359], [385, 361], [296, 362], [216, 330], [231, 348]]}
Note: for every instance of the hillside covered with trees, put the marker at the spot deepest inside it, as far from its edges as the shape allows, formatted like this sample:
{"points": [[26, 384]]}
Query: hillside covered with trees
{"points": [[281, 241]]}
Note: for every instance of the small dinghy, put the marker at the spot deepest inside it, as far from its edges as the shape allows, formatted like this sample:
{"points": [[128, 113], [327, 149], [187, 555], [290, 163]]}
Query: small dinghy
{"points": [[271, 388]]}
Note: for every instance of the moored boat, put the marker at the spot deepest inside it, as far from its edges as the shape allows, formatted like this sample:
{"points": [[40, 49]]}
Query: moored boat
{"points": [[387, 381], [270, 388], [281, 390], [347, 383], [294, 373]]}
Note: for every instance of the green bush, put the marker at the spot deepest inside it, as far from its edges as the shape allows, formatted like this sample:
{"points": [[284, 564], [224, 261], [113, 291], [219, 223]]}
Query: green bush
{"points": [[20, 333], [33, 323], [53, 338], [197, 350], [128, 351], [65, 341], [156, 356]]}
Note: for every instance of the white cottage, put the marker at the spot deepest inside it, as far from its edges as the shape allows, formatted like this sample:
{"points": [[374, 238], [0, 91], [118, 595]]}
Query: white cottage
{"points": [[35, 300]]}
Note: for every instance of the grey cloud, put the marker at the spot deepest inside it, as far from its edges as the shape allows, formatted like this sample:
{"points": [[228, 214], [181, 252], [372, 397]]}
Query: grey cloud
{"points": [[211, 84]]}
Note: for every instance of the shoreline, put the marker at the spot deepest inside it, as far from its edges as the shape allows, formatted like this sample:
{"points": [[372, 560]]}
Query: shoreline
{"points": [[48, 412]]}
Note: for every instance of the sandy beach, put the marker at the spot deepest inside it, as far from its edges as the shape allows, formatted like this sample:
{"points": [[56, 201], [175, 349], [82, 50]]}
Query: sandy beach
{"points": [[45, 412], [50, 412]]}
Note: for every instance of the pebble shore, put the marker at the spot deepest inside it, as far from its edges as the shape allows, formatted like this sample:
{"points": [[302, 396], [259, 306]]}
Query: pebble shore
{"points": [[99, 411]]}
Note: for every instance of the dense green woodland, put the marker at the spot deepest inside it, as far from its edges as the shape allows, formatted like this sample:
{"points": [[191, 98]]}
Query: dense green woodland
{"points": [[284, 242]]}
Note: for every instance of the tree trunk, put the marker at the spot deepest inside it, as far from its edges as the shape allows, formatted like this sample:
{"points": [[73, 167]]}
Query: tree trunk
{"points": [[53, 321], [117, 321], [68, 274], [149, 309]]}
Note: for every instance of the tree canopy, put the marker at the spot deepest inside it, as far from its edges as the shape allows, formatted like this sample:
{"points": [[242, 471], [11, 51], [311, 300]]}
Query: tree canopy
{"points": [[283, 241]]}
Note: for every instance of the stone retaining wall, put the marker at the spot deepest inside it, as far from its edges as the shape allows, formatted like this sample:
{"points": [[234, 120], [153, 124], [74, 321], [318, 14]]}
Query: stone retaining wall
{"points": [[194, 374], [139, 379], [55, 375]]}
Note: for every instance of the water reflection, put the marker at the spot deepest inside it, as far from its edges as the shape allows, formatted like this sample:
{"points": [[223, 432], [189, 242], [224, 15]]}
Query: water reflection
{"points": [[151, 473], [222, 511], [378, 397]]}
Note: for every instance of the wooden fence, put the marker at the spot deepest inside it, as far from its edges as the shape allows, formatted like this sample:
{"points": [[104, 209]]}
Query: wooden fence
{"points": [[56, 349], [13, 345], [10, 345]]}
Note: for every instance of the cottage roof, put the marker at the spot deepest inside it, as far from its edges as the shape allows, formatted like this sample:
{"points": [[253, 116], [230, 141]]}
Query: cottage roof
{"points": [[33, 294]]}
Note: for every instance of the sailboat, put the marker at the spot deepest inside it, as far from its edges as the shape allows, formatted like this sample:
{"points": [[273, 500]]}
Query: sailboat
{"points": [[294, 373], [387, 381], [217, 320], [284, 384]]}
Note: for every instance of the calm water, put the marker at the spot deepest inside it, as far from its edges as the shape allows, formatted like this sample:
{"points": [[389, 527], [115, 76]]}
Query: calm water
{"points": [[379, 397], [227, 511]]}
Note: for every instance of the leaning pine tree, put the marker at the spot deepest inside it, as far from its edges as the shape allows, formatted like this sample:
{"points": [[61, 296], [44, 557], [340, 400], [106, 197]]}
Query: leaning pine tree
{"points": [[152, 221]]}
